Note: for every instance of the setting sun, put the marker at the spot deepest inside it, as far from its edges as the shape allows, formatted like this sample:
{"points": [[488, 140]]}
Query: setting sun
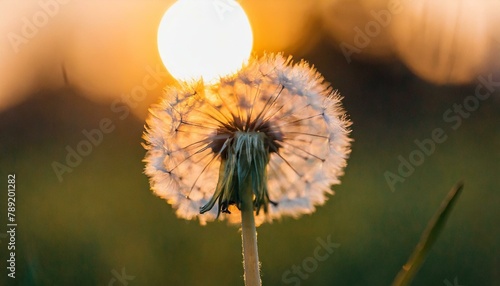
{"points": [[208, 39]]}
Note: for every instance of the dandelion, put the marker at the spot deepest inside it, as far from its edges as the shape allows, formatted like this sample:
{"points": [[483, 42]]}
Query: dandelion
{"points": [[270, 139]]}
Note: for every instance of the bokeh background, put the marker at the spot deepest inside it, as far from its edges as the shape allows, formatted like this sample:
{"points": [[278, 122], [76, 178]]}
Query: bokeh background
{"points": [[403, 68]]}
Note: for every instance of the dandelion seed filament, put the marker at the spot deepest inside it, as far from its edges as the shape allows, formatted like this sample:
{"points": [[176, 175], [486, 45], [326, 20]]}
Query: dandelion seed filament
{"points": [[274, 124]]}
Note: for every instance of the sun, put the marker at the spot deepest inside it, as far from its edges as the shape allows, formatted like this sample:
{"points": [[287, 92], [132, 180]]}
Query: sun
{"points": [[204, 39]]}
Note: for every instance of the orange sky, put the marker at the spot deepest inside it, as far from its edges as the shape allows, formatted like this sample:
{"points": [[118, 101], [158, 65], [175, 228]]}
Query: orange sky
{"points": [[104, 48]]}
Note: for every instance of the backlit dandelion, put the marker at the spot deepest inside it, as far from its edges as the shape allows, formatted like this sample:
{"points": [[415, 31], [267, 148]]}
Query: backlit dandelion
{"points": [[274, 125], [265, 142]]}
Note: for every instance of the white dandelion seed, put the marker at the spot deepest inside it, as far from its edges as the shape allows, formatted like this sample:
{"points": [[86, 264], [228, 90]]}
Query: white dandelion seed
{"points": [[274, 124]]}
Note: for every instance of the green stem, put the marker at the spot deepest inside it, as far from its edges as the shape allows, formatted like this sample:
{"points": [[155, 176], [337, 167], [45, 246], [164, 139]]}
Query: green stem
{"points": [[249, 238], [434, 227]]}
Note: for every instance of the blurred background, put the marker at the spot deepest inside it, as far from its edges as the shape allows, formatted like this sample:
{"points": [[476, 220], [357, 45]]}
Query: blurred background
{"points": [[405, 68]]}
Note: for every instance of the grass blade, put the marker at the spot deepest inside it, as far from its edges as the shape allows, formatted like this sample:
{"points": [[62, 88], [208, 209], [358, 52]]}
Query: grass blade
{"points": [[429, 236]]}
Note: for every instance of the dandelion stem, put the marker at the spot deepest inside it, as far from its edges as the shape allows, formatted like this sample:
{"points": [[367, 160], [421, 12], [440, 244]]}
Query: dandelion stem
{"points": [[249, 238]]}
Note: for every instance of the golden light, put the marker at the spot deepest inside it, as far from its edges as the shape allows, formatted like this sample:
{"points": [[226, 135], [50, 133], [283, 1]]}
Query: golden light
{"points": [[453, 43], [204, 38]]}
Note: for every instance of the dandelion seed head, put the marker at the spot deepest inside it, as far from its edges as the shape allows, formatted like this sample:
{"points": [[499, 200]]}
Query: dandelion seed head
{"points": [[274, 124]]}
